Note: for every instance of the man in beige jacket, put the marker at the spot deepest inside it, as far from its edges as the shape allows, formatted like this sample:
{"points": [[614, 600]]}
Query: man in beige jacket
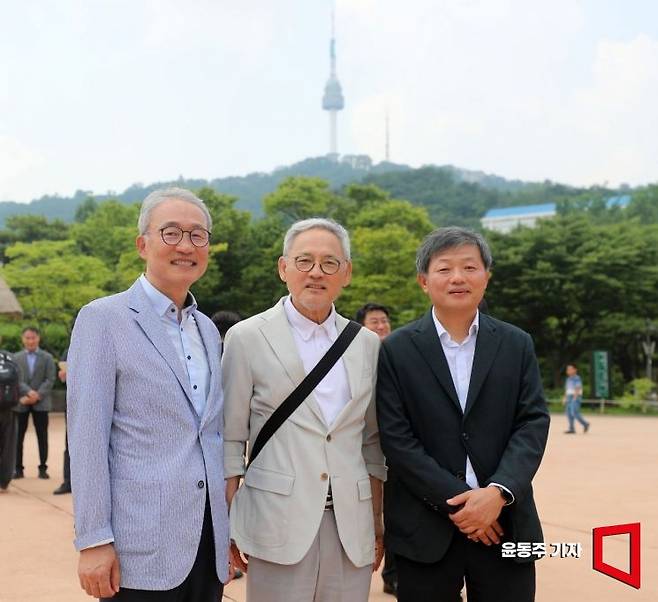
{"points": [[308, 515]]}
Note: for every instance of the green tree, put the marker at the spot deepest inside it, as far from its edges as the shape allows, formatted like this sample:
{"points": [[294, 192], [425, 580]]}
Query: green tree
{"points": [[52, 280], [85, 209], [568, 278], [108, 232]]}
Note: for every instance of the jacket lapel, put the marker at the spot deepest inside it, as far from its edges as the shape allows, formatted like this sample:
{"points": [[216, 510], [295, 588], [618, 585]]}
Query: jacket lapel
{"points": [[486, 348], [276, 331], [427, 341], [150, 324]]}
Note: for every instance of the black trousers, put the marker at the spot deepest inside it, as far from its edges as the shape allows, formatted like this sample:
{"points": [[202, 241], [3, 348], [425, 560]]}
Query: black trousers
{"points": [[7, 446], [488, 576], [40, 420], [389, 573], [201, 585]]}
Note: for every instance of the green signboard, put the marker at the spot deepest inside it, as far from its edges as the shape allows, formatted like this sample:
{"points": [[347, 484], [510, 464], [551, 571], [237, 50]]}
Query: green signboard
{"points": [[601, 374]]}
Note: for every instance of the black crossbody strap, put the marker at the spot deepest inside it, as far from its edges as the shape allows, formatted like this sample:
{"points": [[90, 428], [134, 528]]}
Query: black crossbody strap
{"points": [[304, 389]]}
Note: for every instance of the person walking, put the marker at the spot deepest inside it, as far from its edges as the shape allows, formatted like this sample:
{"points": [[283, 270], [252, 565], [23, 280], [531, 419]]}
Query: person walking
{"points": [[572, 400]]}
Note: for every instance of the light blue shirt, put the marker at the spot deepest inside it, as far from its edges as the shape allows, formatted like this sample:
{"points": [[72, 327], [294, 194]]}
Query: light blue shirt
{"points": [[574, 386], [31, 360], [186, 339]]}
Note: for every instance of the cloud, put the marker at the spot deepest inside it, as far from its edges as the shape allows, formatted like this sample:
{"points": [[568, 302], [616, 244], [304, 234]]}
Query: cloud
{"points": [[613, 120], [525, 90], [16, 161]]}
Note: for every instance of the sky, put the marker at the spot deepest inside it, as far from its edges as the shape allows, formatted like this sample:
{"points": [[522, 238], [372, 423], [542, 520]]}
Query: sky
{"points": [[99, 95]]}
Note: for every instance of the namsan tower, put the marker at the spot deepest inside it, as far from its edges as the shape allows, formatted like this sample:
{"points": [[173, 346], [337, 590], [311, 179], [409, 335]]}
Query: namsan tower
{"points": [[333, 100]]}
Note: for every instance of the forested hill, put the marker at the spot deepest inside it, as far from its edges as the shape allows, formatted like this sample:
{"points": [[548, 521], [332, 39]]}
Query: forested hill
{"points": [[449, 193]]}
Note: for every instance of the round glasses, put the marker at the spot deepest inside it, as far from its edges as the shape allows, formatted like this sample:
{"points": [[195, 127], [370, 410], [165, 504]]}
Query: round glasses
{"points": [[172, 235], [328, 266]]}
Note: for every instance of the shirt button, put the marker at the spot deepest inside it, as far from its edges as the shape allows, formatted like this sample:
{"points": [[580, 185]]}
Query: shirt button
{"points": [[328, 437], [194, 387], [189, 357], [465, 436], [324, 476], [172, 310], [200, 484]]}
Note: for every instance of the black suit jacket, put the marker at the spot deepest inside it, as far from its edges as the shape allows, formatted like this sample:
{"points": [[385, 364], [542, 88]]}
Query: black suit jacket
{"points": [[426, 436]]}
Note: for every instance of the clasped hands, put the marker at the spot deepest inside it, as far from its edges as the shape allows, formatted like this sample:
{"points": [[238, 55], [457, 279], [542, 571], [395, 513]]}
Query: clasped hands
{"points": [[478, 517], [30, 399]]}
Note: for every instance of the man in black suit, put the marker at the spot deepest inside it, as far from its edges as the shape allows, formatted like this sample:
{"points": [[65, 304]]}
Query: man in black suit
{"points": [[463, 424]]}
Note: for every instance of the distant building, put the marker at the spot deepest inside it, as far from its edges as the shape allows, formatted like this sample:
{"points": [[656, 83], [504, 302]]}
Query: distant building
{"points": [[357, 161], [505, 219]]}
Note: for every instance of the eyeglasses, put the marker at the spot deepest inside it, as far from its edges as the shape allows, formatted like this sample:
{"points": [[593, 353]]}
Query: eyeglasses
{"points": [[328, 266], [172, 235]]}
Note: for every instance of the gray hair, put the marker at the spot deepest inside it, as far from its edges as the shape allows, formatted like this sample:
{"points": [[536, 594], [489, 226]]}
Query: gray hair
{"points": [[323, 223], [161, 195], [449, 238]]}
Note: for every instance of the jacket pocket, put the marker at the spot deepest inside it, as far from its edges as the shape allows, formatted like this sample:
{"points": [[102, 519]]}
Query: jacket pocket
{"points": [[135, 516], [365, 491], [264, 506], [269, 480]]}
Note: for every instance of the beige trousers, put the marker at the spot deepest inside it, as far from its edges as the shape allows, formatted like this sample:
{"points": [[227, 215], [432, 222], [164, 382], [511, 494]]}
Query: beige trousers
{"points": [[325, 574]]}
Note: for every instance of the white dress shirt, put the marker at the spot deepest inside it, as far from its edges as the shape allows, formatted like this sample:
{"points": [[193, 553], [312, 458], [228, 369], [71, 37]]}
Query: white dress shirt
{"points": [[313, 341], [186, 339], [460, 362]]}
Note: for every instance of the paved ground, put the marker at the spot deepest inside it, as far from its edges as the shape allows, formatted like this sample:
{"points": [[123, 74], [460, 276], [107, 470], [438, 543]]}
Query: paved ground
{"points": [[606, 477]]}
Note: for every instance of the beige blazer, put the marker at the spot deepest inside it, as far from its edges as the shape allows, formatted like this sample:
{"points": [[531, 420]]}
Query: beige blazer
{"points": [[276, 513]]}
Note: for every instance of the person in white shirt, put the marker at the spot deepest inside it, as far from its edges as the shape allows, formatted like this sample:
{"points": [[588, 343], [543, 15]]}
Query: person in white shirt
{"points": [[306, 523]]}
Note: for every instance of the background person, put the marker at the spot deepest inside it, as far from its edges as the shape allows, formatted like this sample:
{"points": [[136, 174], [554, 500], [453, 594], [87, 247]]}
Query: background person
{"points": [[573, 398], [38, 377], [65, 487], [10, 378], [375, 317], [224, 319]]}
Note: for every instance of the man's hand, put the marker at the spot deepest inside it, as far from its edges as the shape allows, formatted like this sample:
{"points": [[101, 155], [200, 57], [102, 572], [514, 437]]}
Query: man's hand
{"points": [[26, 401], [99, 572], [34, 396], [489, 536], [379, 551], [232, 485], [481, 509], [237, 560]]}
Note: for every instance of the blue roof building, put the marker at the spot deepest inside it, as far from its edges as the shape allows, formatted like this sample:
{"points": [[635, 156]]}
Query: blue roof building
{"points": [[505, 219]]}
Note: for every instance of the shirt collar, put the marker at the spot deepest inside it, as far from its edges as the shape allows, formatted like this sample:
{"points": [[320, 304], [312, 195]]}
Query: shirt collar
{"points": [[163, 304], [306, 327], [444, 335]]}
